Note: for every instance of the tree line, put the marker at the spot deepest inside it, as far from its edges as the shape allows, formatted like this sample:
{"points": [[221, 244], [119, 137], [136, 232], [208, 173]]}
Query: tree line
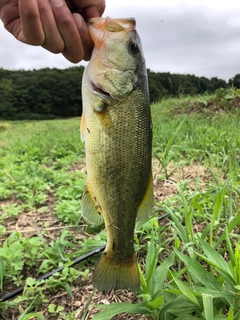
{"points": [[40, 94], [55, 93]]}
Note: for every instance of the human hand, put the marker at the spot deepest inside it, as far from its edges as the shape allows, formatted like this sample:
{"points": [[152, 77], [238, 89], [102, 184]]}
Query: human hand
{"points": [[56, 25]]}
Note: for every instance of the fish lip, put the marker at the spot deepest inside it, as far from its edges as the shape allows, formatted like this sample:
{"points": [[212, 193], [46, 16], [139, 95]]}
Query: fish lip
{"points": [[97, 89]]}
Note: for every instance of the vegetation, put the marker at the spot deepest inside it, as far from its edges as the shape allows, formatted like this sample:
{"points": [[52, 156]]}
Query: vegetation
{"points": [[53, 93], [40, 94], [189, 261]]}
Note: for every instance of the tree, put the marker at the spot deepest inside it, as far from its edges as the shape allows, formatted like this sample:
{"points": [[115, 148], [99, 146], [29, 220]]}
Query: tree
{"points": [[6, 98], [235, 81]]}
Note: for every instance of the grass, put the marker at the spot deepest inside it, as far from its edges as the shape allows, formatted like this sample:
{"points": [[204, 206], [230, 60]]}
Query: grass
{"points": [[189, 262]]}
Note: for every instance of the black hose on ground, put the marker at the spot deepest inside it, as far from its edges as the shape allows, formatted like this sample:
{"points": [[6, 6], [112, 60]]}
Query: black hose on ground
{"points": [[49, 274], [16, 292]]}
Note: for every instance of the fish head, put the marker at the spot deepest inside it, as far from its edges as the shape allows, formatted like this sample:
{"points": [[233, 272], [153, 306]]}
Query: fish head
{"points": [[117, 60]]}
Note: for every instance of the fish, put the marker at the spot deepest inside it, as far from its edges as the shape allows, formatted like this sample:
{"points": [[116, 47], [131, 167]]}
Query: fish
{"points": [[116, 128]]}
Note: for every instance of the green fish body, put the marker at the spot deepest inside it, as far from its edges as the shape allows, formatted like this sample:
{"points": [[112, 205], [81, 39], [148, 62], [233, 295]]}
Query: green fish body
{"points": [[117, 129]]}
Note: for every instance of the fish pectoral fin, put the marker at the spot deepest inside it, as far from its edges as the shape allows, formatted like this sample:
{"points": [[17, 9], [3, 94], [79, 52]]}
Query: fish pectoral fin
{"points": [[83, 127], [145, 206], [90, 209]]}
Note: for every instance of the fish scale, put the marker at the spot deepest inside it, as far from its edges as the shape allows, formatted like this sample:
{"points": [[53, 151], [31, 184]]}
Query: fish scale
{"points": [[117, 130]]}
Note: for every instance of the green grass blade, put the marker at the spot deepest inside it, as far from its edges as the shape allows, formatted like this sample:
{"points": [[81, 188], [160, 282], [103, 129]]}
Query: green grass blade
{"points": [[188, 317], [114, 309], [31, 316], [182, 233], [151, 260], [208, 306], [143, 282], [216, 260], [87, 305], [198, 272], [187, 213], [156, 303], [178, 306], [229, 248], [229, 279], [217, 209], [160, 275], [230, 313], [214, 256], [233, 224], [172, 138], [2, 272], [236, 268], [186, 292]]}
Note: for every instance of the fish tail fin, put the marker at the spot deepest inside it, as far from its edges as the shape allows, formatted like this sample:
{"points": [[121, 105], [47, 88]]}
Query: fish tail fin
{"points": [[110, 274]]}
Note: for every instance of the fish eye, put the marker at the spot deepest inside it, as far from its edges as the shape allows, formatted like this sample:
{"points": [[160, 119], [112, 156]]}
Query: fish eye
{"points": [[133, 46]]}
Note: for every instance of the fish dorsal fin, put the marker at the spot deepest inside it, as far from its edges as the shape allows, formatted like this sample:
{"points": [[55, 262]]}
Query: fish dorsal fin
{"points": [[83, 127], [145, 206], [90, 209]]}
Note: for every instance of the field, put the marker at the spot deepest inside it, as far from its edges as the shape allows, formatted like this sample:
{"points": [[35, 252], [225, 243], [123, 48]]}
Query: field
{"points": [[188, 251]]}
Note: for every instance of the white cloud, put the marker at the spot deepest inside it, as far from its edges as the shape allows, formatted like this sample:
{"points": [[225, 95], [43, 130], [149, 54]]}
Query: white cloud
{"points": [[199, 37]]}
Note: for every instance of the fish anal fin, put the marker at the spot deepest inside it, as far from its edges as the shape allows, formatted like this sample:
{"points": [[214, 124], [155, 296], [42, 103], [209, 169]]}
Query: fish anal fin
{"points": [[113, 275], [145, 206], [90, 209]]}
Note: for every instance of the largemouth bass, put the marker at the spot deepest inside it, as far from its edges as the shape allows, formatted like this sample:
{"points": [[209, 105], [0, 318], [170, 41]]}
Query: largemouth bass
{"points": [[117, 129]]}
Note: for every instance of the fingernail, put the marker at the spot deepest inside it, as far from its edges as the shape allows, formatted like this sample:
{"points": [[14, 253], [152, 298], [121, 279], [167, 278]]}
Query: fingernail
{"points": [[78, 20], [57, 3]]}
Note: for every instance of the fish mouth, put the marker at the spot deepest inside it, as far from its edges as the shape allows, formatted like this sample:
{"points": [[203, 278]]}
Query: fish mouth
{"points": [[100, 91]]}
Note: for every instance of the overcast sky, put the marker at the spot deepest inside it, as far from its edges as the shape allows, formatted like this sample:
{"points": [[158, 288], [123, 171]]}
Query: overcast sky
{"points": [[200, 37]]}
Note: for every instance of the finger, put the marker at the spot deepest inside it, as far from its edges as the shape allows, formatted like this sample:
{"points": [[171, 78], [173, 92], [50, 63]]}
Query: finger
{"points": [[73, 45], [53, 39], [77, 6], [10, 17], [31, 31], [94, 10], [86, 39], [21, 18]]}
